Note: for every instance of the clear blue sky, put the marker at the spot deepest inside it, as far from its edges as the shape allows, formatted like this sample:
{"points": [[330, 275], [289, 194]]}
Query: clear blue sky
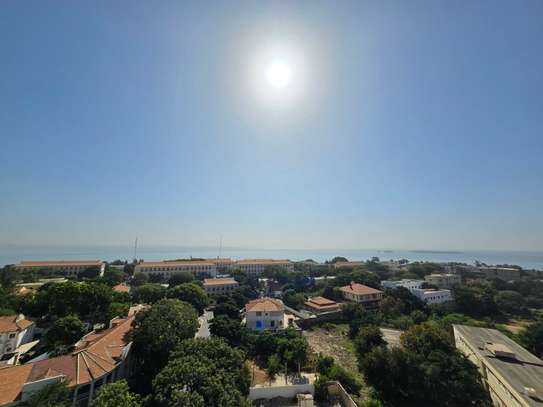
{"points": [[420, 124]]}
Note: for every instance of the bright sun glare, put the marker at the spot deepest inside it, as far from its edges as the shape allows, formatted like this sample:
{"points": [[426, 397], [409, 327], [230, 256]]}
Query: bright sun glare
{"points": [[278, 74]]}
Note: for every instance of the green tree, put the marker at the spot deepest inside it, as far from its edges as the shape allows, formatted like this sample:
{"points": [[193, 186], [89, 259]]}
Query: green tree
{"points": [[180, 278], [156, 332], [274, 367], [428, 370], [367, 338], [65, 331], [191, 293], [117, 309], [532, 338], [116, 394], [113, 276], [202, 372], [510, 302], [230, 329], [53, 395], [140, 279], [148, 293], [293, 299]]}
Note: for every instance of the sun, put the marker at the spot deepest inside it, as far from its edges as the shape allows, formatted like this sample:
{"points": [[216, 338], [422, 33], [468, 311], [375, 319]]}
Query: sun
{"points": [[278, 74]]}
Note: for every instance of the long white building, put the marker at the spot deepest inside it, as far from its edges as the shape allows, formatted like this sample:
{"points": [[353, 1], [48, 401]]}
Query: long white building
{"points": [[66, 267], [167, 268], [257, 266]]}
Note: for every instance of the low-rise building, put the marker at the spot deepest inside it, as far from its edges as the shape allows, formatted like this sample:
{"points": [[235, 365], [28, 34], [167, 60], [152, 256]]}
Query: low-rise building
{"points": [[15, 330], [266, 314], [362, 294], [430, 296], [321, 305], [511, 374], [97, 359], [166, 268], [501, 273], [214, 286], [223, 264], [406, 283], [66, 267], [446, 280], [257, 266]]}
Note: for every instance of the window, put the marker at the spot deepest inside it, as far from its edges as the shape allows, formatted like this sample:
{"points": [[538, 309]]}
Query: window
{"points": [[272, 323], [11, 336]]}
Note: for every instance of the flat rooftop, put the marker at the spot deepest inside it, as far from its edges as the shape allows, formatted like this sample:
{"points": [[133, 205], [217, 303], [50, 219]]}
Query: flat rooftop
{"points": [[524, 370]]}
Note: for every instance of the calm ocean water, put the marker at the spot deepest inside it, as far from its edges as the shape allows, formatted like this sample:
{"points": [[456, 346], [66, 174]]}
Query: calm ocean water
{"points": [[14, 254]]}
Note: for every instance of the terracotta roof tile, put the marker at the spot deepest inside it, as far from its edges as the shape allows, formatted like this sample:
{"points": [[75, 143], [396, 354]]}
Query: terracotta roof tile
{"points": [[10, 324], [56, 263], [265, 304], [219, 281], [359, 289]]}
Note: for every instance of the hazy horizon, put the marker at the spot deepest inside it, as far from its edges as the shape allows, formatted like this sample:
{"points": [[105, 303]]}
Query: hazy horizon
{"points": [[403, 125]]}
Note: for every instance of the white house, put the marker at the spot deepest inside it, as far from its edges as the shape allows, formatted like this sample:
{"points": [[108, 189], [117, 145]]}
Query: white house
{"points": [[266, 314], [15, 331], [214, 286]]}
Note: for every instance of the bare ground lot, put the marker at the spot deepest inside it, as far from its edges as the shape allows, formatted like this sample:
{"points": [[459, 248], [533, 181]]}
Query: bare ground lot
{"points": [[336, 343]]}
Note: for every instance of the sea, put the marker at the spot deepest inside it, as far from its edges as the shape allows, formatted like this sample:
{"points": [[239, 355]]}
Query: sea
{"points": [[10, 254]]}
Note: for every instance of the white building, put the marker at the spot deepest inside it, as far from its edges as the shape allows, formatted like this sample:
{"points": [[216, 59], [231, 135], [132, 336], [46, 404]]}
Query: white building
{"points": [[167, 268], [257, 266], [15, 331], [430, 296], [66, 267], [425, 294], [215, 286], [406, 283], [266, 314], [99, 358], [511, 374]]}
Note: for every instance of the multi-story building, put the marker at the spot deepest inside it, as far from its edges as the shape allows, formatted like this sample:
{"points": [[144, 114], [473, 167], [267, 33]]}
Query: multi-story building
{"points": [[511, 374], [321, 305], [427, 295], [266, 314], [97, 359], [501, 273], [66, 267], [223, 264], [406, 283], [15, 331], [257, 266], [430, 296], [446, 280], [367, 296], [214, 286], [166, 268]]}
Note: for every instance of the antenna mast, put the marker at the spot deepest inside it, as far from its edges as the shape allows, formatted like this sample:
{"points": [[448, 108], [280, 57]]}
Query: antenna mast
{"points": [[136, 249]]}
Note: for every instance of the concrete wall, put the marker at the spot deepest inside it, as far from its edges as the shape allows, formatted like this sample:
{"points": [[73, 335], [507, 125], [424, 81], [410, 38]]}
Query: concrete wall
{"points": [[289, 391]]}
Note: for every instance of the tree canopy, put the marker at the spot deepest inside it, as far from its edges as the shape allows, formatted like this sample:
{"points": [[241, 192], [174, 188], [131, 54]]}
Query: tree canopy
{"points": [[116, 394], [191, 293], [157, 331]]}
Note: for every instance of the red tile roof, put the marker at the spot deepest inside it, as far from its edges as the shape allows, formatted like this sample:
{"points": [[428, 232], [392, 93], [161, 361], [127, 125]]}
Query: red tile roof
{"points": [[265, 304], [219, 281], [11, 324], [121, 288], [95, 355], [359, 289]]}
